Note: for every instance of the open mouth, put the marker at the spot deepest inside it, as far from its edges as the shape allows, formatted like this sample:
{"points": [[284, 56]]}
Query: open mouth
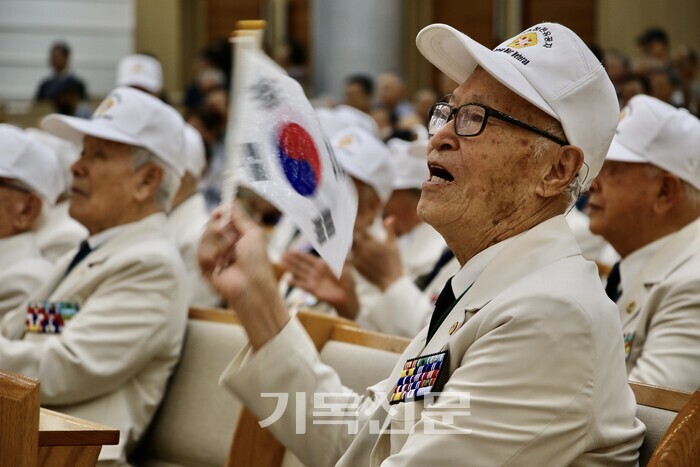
{"points": [[438, 174]]}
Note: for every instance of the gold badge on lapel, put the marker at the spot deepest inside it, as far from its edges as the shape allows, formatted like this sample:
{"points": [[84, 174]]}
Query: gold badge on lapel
{"points": [[454, 327], [631, 306]]}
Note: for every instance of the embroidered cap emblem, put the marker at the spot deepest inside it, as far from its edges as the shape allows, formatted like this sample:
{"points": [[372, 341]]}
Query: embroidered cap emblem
{"points": [[524, 40]]}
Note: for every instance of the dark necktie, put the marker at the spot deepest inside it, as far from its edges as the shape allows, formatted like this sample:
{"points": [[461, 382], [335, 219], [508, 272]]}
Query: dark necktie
{"points": [[424, 281], [613, 286], [83, 251], [443, 306]]}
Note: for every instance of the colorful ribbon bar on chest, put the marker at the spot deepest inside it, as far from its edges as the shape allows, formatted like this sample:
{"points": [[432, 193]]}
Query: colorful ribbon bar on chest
{"points": [[420, 376], [49, 317]]}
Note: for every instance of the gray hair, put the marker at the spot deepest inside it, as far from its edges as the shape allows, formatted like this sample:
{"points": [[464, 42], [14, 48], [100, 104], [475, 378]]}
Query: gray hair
{"points": [[575, 188], [692, 194], [171, 181]]}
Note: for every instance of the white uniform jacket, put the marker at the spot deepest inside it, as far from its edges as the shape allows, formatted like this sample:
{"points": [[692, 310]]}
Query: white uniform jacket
{"points": [[538, 355], [660, 310], [186, 223], [112, 361], [22, 270], [59, 233]]}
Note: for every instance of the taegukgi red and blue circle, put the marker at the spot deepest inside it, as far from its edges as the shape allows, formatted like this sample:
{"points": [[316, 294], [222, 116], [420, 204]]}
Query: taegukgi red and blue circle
{"points": [[299, 158]]}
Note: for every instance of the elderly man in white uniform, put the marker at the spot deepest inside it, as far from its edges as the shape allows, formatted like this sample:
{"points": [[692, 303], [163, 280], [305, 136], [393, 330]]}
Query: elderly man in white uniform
{"points": [[522, 336], [105, 332], [646, 203], [28, 187], [188, 218]]}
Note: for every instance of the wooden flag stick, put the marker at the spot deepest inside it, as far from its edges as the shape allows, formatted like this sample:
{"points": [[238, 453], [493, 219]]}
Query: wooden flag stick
{"points": [[247, 36]]}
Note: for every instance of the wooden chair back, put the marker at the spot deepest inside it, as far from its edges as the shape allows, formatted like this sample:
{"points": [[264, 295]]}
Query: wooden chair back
{"points": [[19, 420]]}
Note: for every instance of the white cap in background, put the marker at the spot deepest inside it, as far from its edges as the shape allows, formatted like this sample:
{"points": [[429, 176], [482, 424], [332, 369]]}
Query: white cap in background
{"points": [[141, 71], [366, 158], [195, 152], [549, 66], [132, 117], [66, 152], [26, 160], [654, 132], [410, 161], [342, 117]]}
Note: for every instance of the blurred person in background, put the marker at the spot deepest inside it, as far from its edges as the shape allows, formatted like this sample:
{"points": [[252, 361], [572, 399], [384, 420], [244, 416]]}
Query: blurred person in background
{"points": [[685, 62], [143, 72], [57, 232], [28, 188], [646, 203], [59, 60], [423, 100], [188, 217], [359, 92], [391, 95], [655, 45], [633, 85]]}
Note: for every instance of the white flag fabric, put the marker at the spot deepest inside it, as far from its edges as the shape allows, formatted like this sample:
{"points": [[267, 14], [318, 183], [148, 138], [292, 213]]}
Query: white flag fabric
{"points": [[280, 152]]}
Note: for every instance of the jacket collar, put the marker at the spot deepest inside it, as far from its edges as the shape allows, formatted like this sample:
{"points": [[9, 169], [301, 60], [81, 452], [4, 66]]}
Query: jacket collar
{"points": [[543, 244], [547, 242], [155, 224], [678, 248]]}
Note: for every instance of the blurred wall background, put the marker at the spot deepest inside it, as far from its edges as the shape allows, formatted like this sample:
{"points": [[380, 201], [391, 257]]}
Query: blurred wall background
{"points": [[337, 37]]}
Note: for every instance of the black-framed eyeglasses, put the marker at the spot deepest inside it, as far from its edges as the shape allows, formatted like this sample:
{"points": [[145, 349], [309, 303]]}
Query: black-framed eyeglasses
{"points": [[470, 120], [15, 186]]}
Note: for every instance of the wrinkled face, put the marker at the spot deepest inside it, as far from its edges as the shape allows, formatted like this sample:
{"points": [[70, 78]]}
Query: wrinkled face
{"points": [[103, 184], [478, 181], [619, 201]]}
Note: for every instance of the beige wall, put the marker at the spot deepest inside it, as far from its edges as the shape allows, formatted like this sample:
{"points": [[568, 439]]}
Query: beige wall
{"points": [[621, 21], [158, 32]]}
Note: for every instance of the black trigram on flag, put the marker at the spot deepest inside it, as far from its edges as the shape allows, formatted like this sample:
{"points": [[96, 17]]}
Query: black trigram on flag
{"points": [[324, 228], [337, 168], [254, 162], [265, 92]]}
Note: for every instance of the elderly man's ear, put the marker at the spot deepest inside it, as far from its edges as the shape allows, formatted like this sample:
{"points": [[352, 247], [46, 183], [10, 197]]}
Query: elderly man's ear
{"points": [[27, 213], [560, 171], [149, 179]]}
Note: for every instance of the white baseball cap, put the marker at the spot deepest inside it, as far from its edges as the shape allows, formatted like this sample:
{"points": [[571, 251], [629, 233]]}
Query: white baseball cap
{"points": [[65, 151], [410, 163], [342, 117], [549, 66], [366, 158], [129, 116], [652, 131], [194, 151], [30, 162], [142, 71]]}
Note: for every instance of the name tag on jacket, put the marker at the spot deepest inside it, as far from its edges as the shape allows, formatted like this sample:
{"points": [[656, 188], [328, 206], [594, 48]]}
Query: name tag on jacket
{"points": [[49, 317]]}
